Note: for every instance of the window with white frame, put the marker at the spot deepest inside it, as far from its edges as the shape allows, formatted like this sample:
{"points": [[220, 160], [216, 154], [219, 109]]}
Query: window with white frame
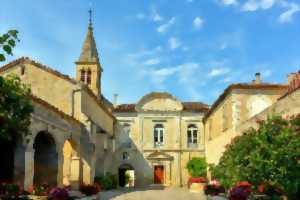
{"points": [[192, 136], [159, 132]]}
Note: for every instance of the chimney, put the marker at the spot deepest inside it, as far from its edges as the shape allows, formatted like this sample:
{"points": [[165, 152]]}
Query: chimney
{"points": [[291, 77], [257, 78], [115, 100]]}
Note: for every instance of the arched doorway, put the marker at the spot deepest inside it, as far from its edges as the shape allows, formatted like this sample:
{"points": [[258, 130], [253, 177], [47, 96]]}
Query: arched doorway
{"points": [[45, 159], [126, 176], [7, 151], [71, 164]]}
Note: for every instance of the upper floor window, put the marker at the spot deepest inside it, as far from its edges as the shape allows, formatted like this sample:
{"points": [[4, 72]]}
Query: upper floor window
{"points": [[82, 75], [192, 136], [125, 137], [159, 135], [88, 77]]}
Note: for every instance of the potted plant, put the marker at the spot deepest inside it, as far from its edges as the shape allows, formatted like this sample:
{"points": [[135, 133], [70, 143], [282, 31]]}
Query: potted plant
{"points": [[39, 192], [197, 168], [58, 193], [241, 191], [90, 189], [213, 189]]}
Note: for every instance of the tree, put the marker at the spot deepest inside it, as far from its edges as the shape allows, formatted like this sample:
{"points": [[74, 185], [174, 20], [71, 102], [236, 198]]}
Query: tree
{"points": [[7, 43], [269, 155], [15, 107], [197, 167]]}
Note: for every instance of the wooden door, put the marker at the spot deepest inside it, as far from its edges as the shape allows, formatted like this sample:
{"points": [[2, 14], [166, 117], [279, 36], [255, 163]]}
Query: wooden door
{"points": [[159, 174]]}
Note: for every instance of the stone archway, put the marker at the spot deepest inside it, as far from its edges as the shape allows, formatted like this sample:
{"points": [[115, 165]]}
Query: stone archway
{"points": [[71, 164], [45, 159], [7, 150], [126, 170]]}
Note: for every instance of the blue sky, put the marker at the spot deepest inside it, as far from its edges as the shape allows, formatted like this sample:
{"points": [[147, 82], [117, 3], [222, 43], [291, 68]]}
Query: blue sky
{"points": [[190, 48]]}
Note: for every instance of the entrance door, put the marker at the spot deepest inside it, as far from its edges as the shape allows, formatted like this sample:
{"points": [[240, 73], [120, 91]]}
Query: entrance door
{"points": [[159, 174]]}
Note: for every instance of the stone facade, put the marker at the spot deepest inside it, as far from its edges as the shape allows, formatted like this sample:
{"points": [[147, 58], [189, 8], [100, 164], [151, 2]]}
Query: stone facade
{"points": [[285, 104], [139, 147], [72, 127]]}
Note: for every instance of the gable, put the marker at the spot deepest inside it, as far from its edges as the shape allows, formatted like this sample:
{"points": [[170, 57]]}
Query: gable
{"points": [[159, 102]]}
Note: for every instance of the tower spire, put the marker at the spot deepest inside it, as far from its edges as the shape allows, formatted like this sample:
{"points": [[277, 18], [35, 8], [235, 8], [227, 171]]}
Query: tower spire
{"points": [[90, 18], [89, 52]]}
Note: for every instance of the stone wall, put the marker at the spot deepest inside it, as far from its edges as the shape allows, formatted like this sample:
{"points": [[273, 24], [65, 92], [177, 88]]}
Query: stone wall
{"points": [[287, 106]]}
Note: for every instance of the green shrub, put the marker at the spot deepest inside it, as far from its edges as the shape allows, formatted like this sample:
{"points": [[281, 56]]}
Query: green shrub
{"points": [[197, 167], [107, 182], [270, 155]]}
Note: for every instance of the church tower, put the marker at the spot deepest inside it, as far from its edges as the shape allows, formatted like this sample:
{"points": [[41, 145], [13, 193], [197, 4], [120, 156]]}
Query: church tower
{"points": [[88, 67]]}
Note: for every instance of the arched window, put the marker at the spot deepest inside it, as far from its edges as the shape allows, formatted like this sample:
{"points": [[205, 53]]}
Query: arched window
{"points": [[82, 75], [192, 136], [158, 135], [88, 77]]}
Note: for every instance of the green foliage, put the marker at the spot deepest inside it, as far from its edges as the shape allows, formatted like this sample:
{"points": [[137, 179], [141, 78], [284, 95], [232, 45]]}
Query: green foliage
{"points": [[107, 182], [15, 107], [270, 155], [197, 167], [7, 43]]}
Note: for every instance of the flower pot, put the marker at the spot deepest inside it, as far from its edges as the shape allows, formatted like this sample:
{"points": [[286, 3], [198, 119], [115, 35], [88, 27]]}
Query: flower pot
{"points": [[34, 197], [197, 187]]}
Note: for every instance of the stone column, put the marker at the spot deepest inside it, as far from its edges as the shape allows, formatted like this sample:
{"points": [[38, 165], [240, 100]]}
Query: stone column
{"points": [[75, 172], [29, 168], [60, 163]]}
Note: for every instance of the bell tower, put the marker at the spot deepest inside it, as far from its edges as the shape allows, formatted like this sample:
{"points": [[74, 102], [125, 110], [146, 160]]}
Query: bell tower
{"points": [[88, 67]]}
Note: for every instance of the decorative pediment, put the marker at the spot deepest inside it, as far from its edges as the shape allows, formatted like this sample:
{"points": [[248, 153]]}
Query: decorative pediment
{"points": [[159, 155], [157, 101]]}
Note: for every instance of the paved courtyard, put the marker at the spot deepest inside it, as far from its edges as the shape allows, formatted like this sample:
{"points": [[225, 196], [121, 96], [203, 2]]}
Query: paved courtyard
{"points": [[151, 194]]}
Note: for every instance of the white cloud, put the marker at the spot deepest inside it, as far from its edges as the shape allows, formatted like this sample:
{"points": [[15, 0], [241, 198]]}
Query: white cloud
{"points": [[230, 2], [153, 61], [190, 1], [140, 16], [164, 27], [218, 71], [253, 5], [174, 43], [198, 22], [288, 15], [266, 73], [155, 16]]}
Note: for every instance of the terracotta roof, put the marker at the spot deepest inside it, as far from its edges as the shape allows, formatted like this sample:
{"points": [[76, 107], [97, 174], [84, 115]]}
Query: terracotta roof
{"points": [[293, 85], [187, 106], [39, 65], [195, 107], [56, 73], [125, 108], [262, 86], [54, 109]]}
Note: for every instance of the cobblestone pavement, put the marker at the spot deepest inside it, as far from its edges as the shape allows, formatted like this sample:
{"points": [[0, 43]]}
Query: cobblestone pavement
{"points": [[151, 194]]}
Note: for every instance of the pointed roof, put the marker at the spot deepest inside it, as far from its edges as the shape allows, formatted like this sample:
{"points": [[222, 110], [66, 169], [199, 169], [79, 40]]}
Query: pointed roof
{"points": [[89, 53]]}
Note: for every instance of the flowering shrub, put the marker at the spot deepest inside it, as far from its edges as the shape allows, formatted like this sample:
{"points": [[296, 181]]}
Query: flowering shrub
{"points": [[239, 193], [58, 194], [214, 189], [40, 190], [89, 190], [10, 190], [270, 153], [270, 190]]}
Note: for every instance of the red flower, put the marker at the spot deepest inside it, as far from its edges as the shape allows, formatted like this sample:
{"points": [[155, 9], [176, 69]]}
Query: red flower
{"points": [[261, 188], [30, 189], [244, 184]]}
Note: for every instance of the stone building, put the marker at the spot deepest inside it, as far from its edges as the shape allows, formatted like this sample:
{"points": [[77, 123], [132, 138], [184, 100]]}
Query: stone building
{"points": [[76, 133], [248, 104], [72, 127], [157, 137]]}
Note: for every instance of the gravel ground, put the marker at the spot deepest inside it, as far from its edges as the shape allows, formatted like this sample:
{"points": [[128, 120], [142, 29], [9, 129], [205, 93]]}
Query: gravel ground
{"points": [[151, 194]]}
